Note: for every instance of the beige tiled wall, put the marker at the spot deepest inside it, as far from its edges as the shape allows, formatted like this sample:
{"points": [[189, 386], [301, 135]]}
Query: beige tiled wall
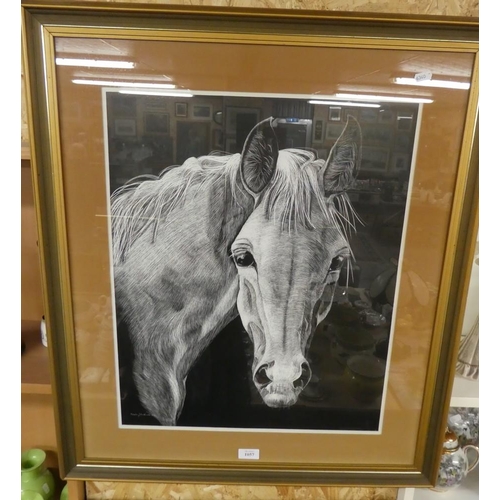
{"points": [[131, 491]]}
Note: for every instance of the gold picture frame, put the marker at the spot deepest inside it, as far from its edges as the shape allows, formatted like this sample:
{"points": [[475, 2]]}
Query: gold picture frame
{"points": [[439, 214]]}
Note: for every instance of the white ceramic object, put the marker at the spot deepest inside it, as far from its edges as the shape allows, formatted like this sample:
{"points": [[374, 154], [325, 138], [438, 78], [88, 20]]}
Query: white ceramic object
{"points": [[464, 422], [455, 464], [43, 331]]}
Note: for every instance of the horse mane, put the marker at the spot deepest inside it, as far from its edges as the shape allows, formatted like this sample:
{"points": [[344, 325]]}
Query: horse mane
{"points": [[144, 200], [296, 183]]}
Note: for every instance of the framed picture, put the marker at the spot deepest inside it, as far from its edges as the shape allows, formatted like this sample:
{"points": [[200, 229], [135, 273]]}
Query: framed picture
{"points": [[125, 127], [369, 115], [400, 162], [155, 103], [318, 133], [181, 109], [405, 121], [202, 111], [377, 134], [156, 123], [124, 106], [333, 131], [349, 111], [334, 113], [199, 336], [375, 158]]}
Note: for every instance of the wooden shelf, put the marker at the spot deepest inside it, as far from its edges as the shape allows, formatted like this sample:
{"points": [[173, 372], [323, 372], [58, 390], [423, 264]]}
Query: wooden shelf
{"points": [[35, 369], [25, 151], [465, 393], [468, 490]]}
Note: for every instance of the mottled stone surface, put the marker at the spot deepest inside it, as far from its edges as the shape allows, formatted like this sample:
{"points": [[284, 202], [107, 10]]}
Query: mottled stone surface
{"points": [[469, 8], [153, 491]]}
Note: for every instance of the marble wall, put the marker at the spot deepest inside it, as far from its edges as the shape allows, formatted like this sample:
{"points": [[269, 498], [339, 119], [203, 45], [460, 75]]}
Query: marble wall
{"points": [[131, 491]]}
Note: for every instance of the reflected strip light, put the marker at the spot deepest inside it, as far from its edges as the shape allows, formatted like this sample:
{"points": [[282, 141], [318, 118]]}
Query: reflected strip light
{"points": [[105, 83], [346, 103], [385, 98], [94, 63], [444, 84], [152, 92]]}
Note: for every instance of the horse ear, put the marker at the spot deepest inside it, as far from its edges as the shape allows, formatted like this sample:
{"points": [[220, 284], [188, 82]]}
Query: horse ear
{"points": [[342, 164], [259, 157]]}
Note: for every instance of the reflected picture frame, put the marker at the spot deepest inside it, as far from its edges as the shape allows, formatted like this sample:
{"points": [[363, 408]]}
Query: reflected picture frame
{"points": [[333, 131], [334, 113], [319, 131], [202, 112], [375, 158], [156, 123], [181, 109], [88, 447], [400, 161], [125, 127]]}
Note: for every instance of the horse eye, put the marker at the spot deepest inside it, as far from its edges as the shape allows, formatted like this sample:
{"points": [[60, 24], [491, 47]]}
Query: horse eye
{"points": [[244, 259], [336, 263]]}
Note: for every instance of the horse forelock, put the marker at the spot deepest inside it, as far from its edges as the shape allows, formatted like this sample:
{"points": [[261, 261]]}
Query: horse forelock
{"points": [[297, 187], [145, 201]]}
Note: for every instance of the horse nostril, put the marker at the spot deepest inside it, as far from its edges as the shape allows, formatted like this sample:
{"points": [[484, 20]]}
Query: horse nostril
{"points": [[305, 376], [261, 376]]}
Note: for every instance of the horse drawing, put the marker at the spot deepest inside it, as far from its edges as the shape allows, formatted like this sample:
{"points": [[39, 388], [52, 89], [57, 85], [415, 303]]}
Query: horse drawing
{"points": [[262, 234], [289, 254], [175, 284]]}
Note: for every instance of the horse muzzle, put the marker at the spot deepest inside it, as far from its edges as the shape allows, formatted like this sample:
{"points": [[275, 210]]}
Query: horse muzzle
{"points": [[280, 395], [280, 391]]}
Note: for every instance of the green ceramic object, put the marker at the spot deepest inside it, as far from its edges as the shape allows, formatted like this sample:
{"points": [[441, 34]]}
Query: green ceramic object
{"points": [[30, 495], [35, 476], [64, 493]]}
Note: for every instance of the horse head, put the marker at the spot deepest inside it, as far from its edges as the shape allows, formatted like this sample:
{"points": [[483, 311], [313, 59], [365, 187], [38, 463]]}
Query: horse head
{"points": [[289, 254]]}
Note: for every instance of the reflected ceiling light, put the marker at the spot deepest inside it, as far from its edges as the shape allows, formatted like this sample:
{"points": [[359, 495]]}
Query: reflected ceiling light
{"points": [[385, 98], [346, 103], [153, 92], [105, 83], [93, 63], [444, 84]]}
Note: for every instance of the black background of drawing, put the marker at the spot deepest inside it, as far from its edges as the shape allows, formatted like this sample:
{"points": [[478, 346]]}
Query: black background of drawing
{"points": [[220, 393]]}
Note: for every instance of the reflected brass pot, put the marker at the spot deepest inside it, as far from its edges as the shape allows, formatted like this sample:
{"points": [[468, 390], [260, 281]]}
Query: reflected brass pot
{"points": [[364, 375]]}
